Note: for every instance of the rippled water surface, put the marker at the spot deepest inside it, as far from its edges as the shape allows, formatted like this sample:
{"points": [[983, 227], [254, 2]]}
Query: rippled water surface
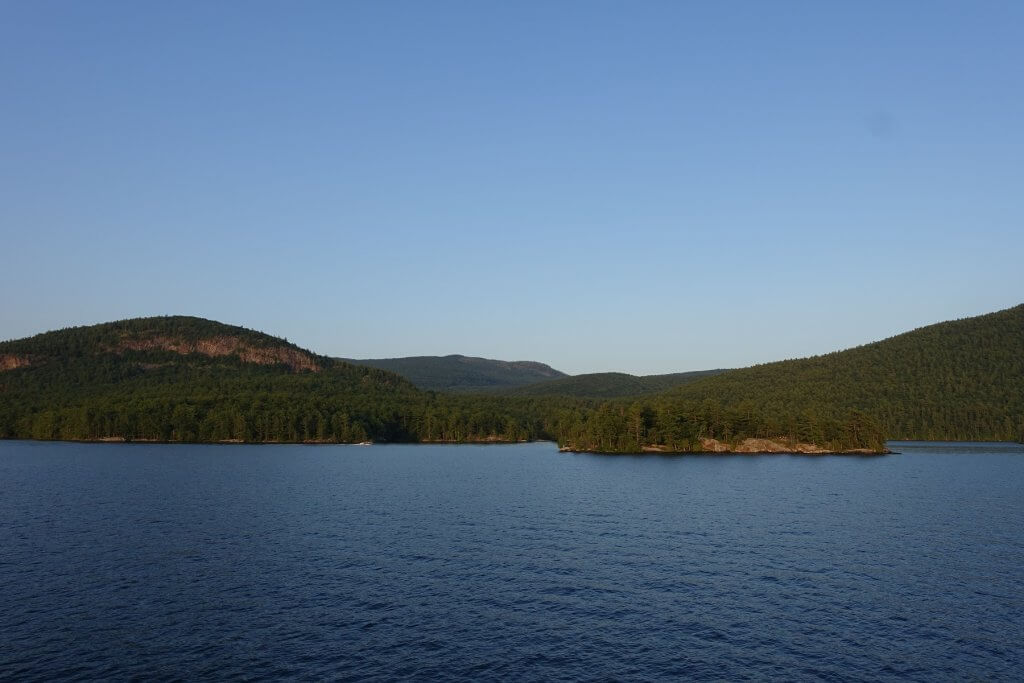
{"points": [[511, 562]]}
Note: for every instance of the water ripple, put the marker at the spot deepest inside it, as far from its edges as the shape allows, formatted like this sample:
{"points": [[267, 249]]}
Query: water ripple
{"points": [[493, 563]]}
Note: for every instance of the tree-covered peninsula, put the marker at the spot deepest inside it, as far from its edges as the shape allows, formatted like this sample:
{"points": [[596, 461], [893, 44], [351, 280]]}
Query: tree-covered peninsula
{"points": [[187, 379]]}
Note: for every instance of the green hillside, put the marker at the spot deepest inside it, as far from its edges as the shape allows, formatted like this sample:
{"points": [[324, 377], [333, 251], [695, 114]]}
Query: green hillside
{"points": [[463, 373], [193, 380], [610, 384], [957, 380], [189, 379]]}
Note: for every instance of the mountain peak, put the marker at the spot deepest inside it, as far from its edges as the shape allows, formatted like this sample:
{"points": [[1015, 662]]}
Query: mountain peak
{"points": [[180, 335]]}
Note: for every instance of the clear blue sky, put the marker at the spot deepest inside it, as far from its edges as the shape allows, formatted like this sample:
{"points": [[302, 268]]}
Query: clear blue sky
{"points": [[645, 187]]}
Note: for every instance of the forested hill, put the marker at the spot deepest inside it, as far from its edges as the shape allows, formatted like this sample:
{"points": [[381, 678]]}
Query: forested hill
{"points": [[463, 373], [610, 384], [187, 379], [957, 380], [193, 380], [165, 337]]}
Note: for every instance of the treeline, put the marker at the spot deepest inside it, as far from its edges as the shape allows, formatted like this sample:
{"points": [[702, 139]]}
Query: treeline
{"points": [[611, 427], [163, 397], [682, 426]]}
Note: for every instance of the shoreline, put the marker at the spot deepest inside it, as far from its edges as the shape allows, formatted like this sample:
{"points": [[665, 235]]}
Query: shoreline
{"points": [[307, 442], [857, 451], [749, 446], [761, 447]]}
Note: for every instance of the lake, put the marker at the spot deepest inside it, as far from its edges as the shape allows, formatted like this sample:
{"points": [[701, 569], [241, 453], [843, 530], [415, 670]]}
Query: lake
{"points": [[509, 562]]}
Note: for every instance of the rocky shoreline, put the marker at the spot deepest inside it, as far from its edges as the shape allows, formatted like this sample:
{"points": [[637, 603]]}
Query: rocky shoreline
{"points": [[707, 446], [746, 446]]}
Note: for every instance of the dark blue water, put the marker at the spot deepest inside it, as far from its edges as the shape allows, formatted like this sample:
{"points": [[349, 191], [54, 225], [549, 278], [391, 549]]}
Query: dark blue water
{"points": [[511, 562]]}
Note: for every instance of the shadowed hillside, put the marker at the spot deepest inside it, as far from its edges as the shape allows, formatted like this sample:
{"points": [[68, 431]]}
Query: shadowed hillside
{"points": [[463, 373], [958, 380], [610, 384]]}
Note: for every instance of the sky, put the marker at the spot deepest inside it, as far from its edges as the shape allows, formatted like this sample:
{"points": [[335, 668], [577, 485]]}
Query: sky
{"points": [[643, 187]]}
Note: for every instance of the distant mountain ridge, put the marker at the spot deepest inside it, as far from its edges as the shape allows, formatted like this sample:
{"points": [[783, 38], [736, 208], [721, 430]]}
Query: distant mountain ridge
{"points": [[611, 384], [463, 373]]}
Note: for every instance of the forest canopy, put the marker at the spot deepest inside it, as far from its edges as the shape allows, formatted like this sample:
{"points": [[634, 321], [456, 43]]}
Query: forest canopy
{"points": [[190, 380]]}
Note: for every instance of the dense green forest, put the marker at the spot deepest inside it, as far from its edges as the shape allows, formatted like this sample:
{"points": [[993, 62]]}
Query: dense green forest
{"points": [[187, 379], [463, 373], [960, 380], [609, 384]]}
